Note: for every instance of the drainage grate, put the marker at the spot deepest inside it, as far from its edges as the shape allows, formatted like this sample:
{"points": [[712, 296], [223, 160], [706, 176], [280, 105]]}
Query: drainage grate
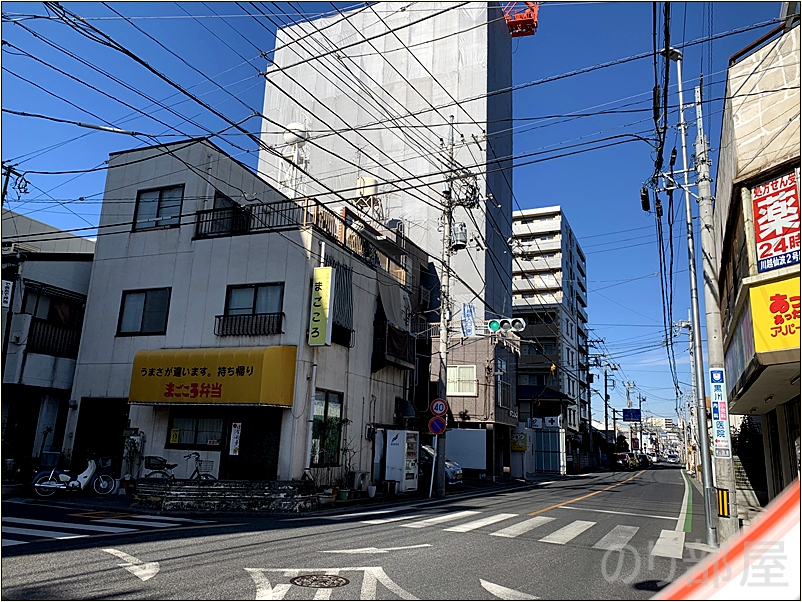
{"points": [[320, 581]]}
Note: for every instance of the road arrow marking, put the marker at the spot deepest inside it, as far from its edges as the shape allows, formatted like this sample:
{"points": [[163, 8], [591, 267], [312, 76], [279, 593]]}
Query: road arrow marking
{"points": [[375, 550], [505, 593], [143, 570]]}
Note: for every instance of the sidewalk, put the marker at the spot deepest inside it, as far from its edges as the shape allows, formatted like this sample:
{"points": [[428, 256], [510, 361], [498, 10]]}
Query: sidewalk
{"points": [[124, 502]]}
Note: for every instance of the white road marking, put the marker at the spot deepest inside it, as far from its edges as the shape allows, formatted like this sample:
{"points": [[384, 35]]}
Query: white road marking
{"points": [[368, 513], [52, 523], [568, 532], [372, 576], [617, 538], [393, 519], [683, 511], [523, 527], [134, 523], [12, 542], [482, 522], [505, 593], [444, 518], [41, 533], [138, 568], [170, 518], [375, 550], [546, 483], [693, 545], [617, 512], [670, 544]]}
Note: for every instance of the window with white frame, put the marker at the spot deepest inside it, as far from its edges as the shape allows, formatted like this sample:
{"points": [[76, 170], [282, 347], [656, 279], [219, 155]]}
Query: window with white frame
{"points": [[159, 208], [462, 381]]}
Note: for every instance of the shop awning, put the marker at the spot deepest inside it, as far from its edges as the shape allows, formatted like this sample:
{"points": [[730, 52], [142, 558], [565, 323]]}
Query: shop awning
{"points": [[241, 375]]}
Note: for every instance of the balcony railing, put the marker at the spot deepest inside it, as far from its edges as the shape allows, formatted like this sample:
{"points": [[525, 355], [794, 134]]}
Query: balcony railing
{"points": [[248, 325], [53, 339], [286, 215]]}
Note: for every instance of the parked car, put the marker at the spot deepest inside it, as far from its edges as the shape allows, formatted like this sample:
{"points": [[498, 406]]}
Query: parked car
{"points": [[633, 460], [672, 459], [453, 470], [643, 459], [621, 461], [653, 459]]}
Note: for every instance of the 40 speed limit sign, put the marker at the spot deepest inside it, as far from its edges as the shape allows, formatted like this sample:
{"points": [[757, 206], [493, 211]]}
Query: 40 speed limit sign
{"points": [[438, 407]]}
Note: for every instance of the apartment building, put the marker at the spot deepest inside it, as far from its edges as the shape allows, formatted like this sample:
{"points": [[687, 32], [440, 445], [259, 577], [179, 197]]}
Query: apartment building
{"points": [[757, 255], [223, 318], [550, 293], [45, 282]]}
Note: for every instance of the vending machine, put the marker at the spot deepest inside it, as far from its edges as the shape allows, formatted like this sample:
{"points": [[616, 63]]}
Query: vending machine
{"points": [[401, 459]]}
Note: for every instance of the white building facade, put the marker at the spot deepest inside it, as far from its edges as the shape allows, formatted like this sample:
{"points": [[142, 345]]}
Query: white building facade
{"points": [[198, 317], [375, 91], [550, 293]]}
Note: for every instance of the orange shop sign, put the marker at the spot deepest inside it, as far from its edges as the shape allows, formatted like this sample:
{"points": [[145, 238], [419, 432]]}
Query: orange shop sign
{"points": [[775, 314]]}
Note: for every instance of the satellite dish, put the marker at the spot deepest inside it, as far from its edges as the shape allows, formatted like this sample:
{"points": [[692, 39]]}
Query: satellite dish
{"points": [[296, 134]]}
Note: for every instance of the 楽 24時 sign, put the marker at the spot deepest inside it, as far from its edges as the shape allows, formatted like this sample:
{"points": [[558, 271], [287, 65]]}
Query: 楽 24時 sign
{"points": [[775, 207]]}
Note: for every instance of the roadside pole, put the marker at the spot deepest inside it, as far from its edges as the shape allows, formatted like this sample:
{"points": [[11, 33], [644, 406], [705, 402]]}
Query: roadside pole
{"points": [[438, 462], [722, 450]]}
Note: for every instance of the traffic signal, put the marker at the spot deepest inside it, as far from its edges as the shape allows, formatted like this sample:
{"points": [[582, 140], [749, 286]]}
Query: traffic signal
{"points": [[506, 325]]}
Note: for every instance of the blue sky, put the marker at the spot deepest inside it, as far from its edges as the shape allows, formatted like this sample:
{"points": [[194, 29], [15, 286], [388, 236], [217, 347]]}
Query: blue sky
{"points": [[598, 190]]}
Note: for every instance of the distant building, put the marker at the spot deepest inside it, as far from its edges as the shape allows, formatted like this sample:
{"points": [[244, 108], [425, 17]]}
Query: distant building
{"points": [[757, 230], [550, 293], [46, 274]]}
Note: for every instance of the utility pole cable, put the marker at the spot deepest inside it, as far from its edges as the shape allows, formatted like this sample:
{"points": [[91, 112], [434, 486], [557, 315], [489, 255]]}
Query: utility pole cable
{"points": [[722, 451]]}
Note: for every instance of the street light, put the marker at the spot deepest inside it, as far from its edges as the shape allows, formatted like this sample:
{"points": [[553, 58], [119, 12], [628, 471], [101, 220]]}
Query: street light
{"points": [[701, 412]]}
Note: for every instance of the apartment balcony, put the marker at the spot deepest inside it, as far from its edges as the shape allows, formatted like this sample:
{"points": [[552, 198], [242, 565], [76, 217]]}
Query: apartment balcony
{"points": [[538, 226], [582, 313], [304, 213], [392, 346], [537, 264], [537, 283], [581, 297], [53, 339], [248, 325], [538, 299], [539, 245]]}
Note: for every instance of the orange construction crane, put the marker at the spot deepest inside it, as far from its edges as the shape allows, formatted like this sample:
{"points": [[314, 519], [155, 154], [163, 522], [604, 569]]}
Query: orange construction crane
{"points": [[521, 23]]}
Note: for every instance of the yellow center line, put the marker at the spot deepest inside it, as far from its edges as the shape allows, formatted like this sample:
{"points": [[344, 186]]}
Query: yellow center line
{"points": [[587, 495]]}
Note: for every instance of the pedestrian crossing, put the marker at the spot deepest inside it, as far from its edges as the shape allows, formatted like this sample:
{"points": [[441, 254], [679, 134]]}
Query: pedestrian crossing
{"points": [[664, 543], [22, 530]]}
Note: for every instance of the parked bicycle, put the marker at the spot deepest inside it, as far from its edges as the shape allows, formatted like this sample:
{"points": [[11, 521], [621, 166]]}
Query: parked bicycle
{"points": [[160, 469]]}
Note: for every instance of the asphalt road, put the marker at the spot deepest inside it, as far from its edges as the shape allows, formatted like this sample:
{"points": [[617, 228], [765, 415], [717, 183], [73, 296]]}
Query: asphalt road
{"points": [[600, 536]]}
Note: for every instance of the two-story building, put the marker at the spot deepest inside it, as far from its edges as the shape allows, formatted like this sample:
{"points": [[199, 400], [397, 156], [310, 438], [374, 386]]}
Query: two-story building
{"points": [[206, 292], [45, 282]]}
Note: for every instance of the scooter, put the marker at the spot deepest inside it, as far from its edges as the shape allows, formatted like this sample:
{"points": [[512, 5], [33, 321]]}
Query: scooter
{"points": [[47, 482]]}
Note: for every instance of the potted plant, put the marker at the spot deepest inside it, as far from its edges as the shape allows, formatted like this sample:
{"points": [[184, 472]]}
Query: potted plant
{"points": [[371, 489]]}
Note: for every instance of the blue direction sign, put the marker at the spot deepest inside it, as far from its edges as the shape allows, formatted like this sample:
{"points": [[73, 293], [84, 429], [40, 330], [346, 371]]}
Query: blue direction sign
{"points": [[437, 425], [631, 415]]}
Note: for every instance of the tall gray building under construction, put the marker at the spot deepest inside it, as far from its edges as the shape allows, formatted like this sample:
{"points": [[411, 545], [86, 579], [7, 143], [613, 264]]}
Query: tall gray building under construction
{"points": [[358, 109]]}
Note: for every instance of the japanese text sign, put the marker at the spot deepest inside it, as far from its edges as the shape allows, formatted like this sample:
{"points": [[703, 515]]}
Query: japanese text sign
{"points": [[320, 311], [775, 206], [7, 284], [718, 405], [775, 314], [241, 375]]}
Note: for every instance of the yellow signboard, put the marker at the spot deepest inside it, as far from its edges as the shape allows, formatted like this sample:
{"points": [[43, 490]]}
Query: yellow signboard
{"points": [[320, 313], [775, 314], [241, 375]]}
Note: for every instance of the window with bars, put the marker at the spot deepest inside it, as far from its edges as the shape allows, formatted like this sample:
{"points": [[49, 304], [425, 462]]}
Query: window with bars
{"points": [[190, 432], [159, 207], [462, 381]]}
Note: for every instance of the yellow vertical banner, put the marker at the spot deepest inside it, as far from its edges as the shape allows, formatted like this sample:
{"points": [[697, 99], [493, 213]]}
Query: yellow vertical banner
{"points": [[320, 311]]}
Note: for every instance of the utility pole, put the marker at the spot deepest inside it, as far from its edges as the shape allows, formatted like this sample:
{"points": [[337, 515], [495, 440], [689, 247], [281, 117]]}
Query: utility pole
{"points": [[722, 454], [701, 412], [615, 433], [445, 311]]}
